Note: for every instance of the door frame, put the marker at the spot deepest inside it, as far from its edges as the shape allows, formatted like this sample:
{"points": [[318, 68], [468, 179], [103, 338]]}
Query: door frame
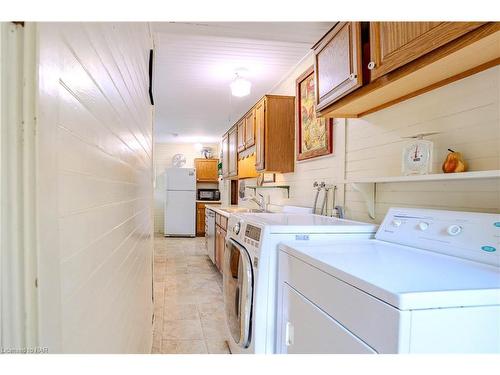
{"points": [[18, 253]]}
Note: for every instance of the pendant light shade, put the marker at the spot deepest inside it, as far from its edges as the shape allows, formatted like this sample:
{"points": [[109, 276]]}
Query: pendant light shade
{"points": [[240, 86]]}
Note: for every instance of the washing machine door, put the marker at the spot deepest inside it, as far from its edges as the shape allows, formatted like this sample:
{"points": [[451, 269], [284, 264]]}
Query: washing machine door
{"points": [[238, 289]]}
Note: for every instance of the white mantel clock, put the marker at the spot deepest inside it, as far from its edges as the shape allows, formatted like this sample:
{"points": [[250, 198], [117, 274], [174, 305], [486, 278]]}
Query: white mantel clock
{"points": [[417, 155]]}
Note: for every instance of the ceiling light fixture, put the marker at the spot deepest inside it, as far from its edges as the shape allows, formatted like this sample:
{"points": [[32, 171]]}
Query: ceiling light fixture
{"points": [[240, 86]]}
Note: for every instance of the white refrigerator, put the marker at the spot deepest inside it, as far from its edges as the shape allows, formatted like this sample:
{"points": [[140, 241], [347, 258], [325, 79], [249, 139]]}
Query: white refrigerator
{"points": [[180, 202]]}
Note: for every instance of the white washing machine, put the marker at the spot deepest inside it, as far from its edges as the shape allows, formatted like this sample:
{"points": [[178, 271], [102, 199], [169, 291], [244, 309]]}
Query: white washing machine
{"points": [[428, 283], [250, 269]]}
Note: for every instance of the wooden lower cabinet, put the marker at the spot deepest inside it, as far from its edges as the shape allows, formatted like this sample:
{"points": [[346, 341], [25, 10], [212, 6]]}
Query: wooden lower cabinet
{"points": [[200, 218], [220, 240], [220, 245]]}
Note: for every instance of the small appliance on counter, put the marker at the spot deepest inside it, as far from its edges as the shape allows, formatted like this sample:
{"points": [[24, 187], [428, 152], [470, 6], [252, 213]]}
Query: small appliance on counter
{"points": [[208, 194]]}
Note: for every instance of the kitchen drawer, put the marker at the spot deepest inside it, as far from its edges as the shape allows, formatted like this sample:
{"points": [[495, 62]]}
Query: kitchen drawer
{"points": [[217, 218], [366, 317]]}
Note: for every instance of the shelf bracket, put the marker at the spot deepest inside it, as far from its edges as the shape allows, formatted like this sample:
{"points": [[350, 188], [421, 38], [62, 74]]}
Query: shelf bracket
{"points": [[367, 190]]}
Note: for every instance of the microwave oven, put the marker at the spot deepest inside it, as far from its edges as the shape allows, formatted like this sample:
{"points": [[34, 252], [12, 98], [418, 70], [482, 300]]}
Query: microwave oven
{"points": [[208, 194]]}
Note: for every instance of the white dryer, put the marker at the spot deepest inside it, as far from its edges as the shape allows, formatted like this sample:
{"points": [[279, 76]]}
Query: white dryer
{"points": [[250, 269], [428, 283]]}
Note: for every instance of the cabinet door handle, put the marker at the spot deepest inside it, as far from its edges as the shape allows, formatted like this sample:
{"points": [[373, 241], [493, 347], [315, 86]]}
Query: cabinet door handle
{"points": [[371, 65], [352, 76]]}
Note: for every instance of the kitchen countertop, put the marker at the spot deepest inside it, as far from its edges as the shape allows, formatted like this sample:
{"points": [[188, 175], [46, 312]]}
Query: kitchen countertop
{"points": [[242, 209], [208, 202], [219, 209]]}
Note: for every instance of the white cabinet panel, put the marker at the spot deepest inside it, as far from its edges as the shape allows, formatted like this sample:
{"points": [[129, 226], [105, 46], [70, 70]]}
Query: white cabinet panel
{"points": [[308, 330]]}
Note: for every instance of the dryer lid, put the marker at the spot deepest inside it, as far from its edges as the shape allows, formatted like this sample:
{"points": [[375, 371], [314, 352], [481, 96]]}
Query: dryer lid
{"points": [[404, 277]]}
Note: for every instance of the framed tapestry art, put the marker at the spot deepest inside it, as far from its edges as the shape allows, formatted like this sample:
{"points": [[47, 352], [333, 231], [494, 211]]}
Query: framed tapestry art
{"points": [[314, 135]]}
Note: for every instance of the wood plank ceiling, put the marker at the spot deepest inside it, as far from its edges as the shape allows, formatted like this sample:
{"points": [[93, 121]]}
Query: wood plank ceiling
{"points": [[195, 63]]}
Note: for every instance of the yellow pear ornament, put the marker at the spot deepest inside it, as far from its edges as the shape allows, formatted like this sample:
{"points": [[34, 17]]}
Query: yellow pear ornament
{"points": [[454, 162]]}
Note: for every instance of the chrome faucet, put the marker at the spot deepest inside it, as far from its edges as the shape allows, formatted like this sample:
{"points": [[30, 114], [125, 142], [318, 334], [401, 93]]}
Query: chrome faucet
{"points": [[260, 201]]}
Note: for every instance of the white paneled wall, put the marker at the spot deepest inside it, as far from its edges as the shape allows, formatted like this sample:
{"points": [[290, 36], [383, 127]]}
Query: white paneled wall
{"points": [[163, 159], [95, 188], [466, 113]]}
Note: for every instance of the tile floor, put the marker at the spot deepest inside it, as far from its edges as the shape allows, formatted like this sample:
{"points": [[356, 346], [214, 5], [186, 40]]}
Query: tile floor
{"points": [[189, 312]]}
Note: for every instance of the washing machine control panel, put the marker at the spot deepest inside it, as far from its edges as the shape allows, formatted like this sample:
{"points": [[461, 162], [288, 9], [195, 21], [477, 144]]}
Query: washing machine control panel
{"points": [[470, 235], [253, 232], [247, 234]]}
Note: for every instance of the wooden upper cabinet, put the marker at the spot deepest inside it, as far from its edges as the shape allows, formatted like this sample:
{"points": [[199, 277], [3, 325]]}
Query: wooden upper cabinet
{"points": [[272, 130], [233, 152], [400, 60], [394, 44], [206, 169], [250, 128], [241, 135], [259, 135], [274, 134], [338, 63], [225, 155]]}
